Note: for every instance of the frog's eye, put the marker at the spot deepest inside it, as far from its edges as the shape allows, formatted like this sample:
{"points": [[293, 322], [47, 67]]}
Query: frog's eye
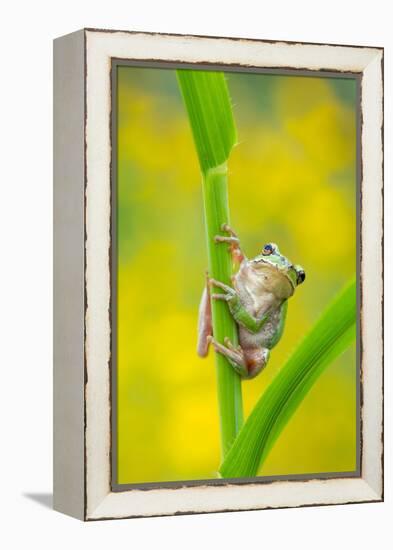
{"points": [[301, 275], [267, 250]]}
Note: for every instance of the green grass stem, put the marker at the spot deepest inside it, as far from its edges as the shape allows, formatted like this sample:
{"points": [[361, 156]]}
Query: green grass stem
{"points": [[206, 97]]}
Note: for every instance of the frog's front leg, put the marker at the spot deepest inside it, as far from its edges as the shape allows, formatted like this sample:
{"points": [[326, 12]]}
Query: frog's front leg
{"points": [[228, 294], [237, 309], [233, 241]]}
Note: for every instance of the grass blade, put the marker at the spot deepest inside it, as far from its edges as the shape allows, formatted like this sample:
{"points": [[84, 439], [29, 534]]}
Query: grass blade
{"points": [[206, 97], [330, 336]]}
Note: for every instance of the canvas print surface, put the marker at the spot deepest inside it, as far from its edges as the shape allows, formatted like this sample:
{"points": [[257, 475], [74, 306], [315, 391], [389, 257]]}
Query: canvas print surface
{"points": [[274, 389]]}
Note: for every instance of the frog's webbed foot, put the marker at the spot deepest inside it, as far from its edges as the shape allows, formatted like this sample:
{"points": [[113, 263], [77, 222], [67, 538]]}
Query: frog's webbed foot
{"points": [[228, 229], [223, 239], [234, 354], [248, 363], [230, 346], [233, 240]]}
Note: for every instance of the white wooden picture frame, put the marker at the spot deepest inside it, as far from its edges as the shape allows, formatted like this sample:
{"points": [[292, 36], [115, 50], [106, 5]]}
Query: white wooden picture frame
{"points": [[82, 252]]}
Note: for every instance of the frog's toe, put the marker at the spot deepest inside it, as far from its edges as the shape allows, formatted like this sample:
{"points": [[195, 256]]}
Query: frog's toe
{"points": [[223, 286], [225, 297], [230, 346], [228, 229], [229, 240]]}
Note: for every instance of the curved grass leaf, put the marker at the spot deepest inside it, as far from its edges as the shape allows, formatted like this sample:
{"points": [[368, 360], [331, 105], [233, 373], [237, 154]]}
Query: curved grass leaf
{"points": [[330, 336]]}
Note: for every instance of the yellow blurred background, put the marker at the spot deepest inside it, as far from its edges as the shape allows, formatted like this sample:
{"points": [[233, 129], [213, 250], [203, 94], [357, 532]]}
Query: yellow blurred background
{"points": [[292, 181]]}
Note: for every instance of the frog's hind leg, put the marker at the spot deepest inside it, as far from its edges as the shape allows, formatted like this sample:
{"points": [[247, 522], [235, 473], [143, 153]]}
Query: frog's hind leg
{"points": [[234, 355], [247, 363], [204, 323]]}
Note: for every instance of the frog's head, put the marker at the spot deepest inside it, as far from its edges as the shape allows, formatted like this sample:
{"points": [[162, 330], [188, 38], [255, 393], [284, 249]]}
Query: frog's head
{"points": [[281, 276]]}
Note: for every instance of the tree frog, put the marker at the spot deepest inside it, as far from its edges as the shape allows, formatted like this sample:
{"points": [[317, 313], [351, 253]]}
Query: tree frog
{"points": [[257, 302]]}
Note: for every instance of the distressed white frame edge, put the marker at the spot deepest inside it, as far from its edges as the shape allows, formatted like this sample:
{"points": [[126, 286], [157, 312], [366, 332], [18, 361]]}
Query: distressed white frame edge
{"points": [[101, 46], [69, 270]]}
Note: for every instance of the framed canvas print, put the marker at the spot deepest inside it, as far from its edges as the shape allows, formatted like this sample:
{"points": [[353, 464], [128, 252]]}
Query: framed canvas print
{"points": [[218, 340]]}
